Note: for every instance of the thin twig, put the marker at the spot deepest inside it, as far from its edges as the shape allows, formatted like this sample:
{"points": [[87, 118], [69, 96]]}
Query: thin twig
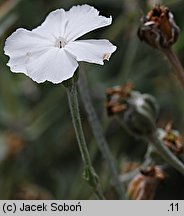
{"points": [[166, 154], [176, 64]]}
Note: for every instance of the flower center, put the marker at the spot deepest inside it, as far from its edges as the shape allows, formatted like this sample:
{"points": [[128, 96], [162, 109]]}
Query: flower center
{"points": [[60, 42]]}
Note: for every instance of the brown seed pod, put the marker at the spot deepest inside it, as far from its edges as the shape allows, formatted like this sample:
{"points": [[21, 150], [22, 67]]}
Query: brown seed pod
{"points": [[172, 139], [158, 28], [115, 98], [144, 185]]}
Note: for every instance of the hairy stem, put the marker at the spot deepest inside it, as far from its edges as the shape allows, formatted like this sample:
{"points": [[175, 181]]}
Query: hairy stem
{"points": [[98, 133], [89, 172], [176, 64]]}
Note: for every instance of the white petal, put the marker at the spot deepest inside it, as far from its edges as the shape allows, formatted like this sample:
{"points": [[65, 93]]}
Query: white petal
{"points": [[93, 51], [54, 25], [56, 65], [83, 19], [23, 40], [21, 45]]}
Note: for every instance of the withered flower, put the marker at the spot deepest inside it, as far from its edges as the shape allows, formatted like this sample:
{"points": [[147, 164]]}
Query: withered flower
{"points": [[158, 28], [116, 97], [172, 139], [136, 111], [144, 185]]}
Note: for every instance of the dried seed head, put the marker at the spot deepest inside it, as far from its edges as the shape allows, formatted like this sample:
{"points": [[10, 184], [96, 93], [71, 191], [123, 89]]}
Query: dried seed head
{"points": [[158, 28], [144, 185], [116, 97], [172, 139], [137, 111]]}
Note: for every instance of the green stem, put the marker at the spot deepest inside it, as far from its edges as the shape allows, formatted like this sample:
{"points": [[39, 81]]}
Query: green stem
{"points": [[167, 155], [176, 64], [89, 172], [98, 133]]}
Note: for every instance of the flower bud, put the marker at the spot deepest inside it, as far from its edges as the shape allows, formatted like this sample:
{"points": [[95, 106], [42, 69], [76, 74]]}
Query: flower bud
{"points": [[144, 185], [158, 28]]}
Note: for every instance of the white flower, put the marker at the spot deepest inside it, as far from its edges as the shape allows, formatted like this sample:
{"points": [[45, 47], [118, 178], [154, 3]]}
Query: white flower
{"points": [[51, 51]]}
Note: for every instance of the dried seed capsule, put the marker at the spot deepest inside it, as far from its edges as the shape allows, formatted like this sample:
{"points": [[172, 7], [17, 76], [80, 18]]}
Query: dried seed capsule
{"points": [[158, 28], [172, 139], [136, 111], [144, 185], [116, 98]]}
